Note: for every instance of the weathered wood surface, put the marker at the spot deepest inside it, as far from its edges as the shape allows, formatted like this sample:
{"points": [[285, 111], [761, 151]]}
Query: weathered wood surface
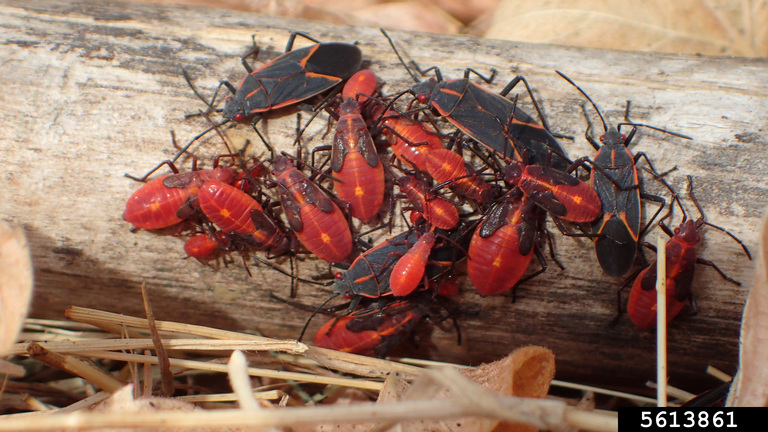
{"points": [[91, 90]]}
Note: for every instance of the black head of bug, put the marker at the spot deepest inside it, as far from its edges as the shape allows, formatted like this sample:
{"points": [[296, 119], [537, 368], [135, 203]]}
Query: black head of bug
{"points": [[234, 109]]}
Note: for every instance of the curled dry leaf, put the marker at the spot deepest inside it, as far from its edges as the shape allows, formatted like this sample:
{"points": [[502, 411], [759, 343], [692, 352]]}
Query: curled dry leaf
{"points": [[527, 372], [682, 26], [15, 283], [750, 386]]}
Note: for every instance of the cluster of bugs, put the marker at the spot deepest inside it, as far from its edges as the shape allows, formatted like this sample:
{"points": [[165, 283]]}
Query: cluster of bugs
{"points": [[480, 193]]}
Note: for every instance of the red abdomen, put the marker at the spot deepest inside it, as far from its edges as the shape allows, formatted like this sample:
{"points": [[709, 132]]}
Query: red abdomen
{"points": [[154, 206], [362, 186], [495, 264], [326, 235]]}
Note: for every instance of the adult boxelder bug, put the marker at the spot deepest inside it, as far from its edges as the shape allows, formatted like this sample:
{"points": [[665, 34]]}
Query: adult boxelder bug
{"points": [[614, 176], [475, 110], [318, 223], [373, 333], [290, 78], [504, 244], [681, 261]]}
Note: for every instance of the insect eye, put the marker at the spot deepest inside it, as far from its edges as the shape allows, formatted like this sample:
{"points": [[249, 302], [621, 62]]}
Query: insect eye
{"points": [[338, 275], [677, 231], [623, 137], [347, 296], [422, 98], [239, 117], [602, 138]]}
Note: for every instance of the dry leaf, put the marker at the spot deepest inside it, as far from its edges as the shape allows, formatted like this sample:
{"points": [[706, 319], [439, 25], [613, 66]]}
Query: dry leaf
{"points": [[527, 372], [467, 11], [750, 388], [682, 26], [15, 283], [409, 15]]}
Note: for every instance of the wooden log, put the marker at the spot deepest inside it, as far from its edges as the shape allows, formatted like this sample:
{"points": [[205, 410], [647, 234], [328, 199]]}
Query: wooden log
{"points": [[91, 90]]}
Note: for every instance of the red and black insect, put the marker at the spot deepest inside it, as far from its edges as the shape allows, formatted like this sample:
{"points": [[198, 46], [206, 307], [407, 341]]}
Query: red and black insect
{"points": [[357, 171], [154, 205], [409, 270], [369, 274], [373, 331], [474, 110], [360, 86], [206, 247], [434, 209], [564, 196], [504, 244], [290, 78], [411, 141], [681, 251], [450, 168], [317, 221], [615, 178], [240, 216]]}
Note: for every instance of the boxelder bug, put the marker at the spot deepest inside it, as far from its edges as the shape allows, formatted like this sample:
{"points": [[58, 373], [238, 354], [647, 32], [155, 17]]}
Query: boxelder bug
{"points": [[614, 177], [563, 196], [408, 273], [436, 210], [681, 262], [318, 223], [358, 172], [450, 168], [288, 79], [154, 205], [474, 110], [411, 141], [360, 86], [371, 333], [240, 215], [503, 245], [206, 247]]}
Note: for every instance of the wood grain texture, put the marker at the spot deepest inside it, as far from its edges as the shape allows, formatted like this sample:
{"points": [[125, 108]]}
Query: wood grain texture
{"points": [[91, 90]]}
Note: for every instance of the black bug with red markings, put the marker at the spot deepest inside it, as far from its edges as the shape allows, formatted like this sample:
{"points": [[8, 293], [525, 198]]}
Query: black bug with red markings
{"points": [[614, 176], [475, 111], [290, 78]]}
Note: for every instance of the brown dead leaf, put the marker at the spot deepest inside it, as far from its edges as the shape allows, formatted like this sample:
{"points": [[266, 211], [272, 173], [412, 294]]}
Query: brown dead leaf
{"points": [[467, 11], [414, 15], [15, 283], [726, 27], [527, 372], [750, 387]]}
